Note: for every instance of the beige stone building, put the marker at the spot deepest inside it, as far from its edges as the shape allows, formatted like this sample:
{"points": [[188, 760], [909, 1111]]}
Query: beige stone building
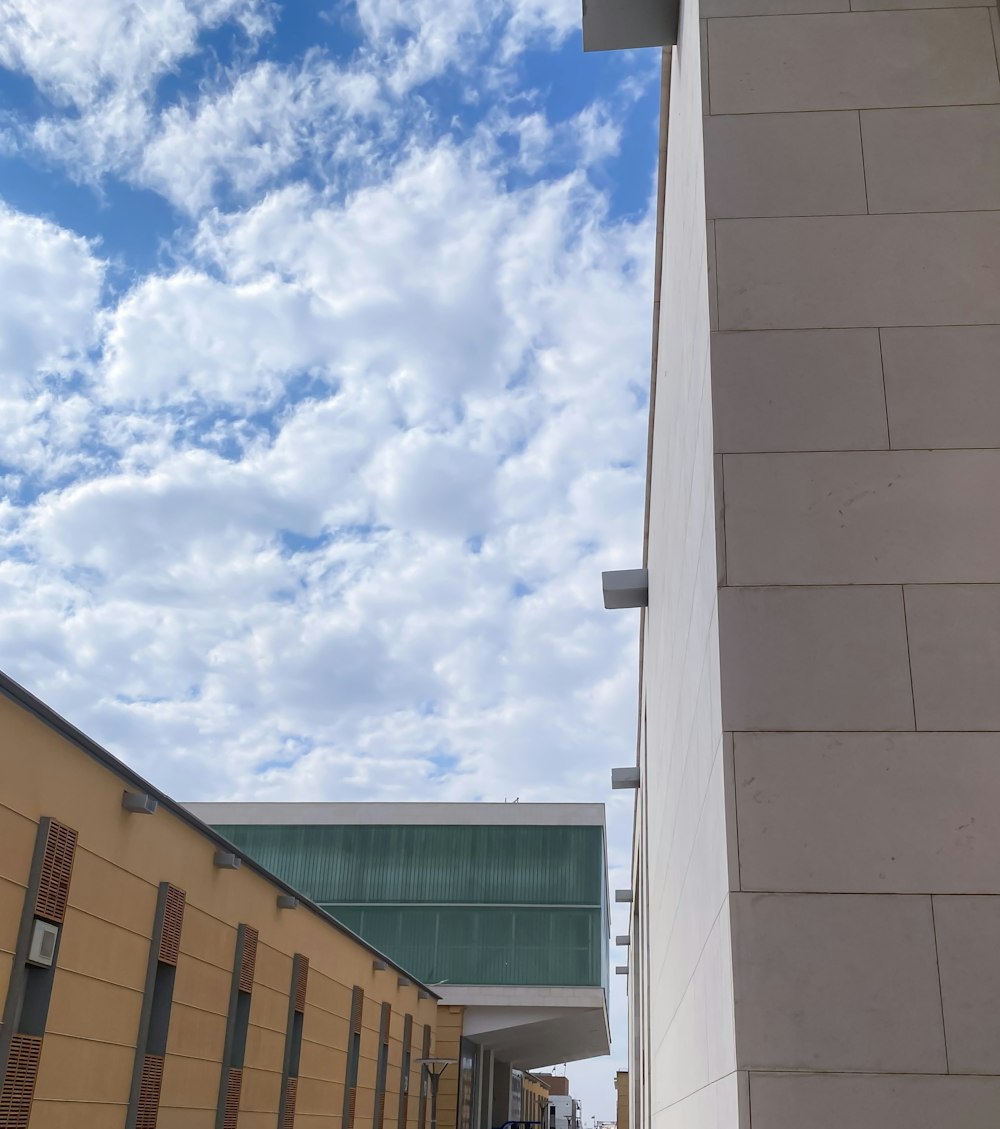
{"points": [[815, 907]]}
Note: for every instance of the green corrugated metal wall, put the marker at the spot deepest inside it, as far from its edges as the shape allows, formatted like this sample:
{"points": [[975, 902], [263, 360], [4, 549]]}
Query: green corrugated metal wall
{"points": [[466, 905], [492, 865], [484, 945]]}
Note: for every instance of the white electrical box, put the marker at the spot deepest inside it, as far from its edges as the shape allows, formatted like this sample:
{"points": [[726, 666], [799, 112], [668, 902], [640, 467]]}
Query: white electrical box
{"points": [[43, 944]]}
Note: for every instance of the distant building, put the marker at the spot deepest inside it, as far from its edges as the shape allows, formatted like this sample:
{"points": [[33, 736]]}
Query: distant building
{"points": [[502, 908]]}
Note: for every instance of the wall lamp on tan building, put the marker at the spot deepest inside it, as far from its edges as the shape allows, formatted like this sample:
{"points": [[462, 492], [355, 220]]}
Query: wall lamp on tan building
{"points": [[139, 803]]}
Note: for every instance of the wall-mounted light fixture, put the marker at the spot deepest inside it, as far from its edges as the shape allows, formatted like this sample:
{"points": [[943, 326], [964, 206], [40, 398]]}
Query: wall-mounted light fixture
{"points": [[139, 803], [623, 895], [626, 588], [625, 777], [226, 860], [618, 25], [622, 939], [286, 901]]}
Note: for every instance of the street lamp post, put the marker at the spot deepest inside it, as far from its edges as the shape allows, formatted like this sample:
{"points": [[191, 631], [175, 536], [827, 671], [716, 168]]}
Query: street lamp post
{"points": [[435, 1067]]}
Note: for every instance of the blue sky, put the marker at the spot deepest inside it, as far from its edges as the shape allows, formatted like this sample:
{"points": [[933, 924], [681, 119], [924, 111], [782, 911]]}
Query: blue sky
{"points": [[323, 360]]}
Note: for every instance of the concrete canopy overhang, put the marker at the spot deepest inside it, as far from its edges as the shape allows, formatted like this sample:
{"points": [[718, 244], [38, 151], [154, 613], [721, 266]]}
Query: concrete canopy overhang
{"points": [[615, 25], [531, 1027]]}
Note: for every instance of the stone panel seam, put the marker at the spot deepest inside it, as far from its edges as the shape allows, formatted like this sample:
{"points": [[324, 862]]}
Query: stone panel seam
{"points": [[885, 394], [909, 656], [715, 255], [700, 1089], [722, 523], [995, 24], [937, 966], [864, 170], [736, 811]]}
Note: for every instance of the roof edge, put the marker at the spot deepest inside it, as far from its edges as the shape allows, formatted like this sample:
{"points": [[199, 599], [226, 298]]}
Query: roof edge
{"points": [[48, 716]]}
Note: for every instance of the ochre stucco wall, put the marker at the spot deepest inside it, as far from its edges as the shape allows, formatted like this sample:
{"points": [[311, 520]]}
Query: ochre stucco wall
{"points": [[89, 1045]]}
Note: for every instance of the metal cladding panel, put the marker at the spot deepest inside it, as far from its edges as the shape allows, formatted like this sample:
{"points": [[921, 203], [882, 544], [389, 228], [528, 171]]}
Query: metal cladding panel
{"points": [[435, 864], [486, 945]]}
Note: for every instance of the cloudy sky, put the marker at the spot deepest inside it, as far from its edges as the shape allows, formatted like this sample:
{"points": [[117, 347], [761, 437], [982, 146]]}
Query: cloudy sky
{"points": [[324, 350]]}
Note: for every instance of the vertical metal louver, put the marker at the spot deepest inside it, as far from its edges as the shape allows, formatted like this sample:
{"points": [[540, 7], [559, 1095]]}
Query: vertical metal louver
{"points": [[173, 921], [19, 1081], [234, 1085], [149, 1092], [249, 961], [291, 1092], [57, 869], [352, 1104], [300, 987]]}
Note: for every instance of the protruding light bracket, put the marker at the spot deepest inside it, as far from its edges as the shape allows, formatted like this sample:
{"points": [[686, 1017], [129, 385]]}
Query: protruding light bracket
{"points": [[621, 970], [139, 803], [623, 895], [626, 588], [422, 994], [226, 860], [402, 982], [616, 25], [286, 901], [625, 777], [623, 940], [380, 965]]}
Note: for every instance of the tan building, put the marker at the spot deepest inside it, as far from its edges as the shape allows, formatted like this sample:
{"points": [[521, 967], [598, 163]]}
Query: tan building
{"points": [[149, 976], [621, 1090], [534, 1099]]}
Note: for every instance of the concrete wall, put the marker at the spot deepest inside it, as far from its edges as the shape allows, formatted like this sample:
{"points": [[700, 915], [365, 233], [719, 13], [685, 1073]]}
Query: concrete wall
{"points": [[684, 1066], [852, 167], [88, 1048], [817, 895]]}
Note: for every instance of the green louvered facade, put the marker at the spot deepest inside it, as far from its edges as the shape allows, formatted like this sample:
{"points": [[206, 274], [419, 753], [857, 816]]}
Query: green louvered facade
{"points": [[455, 904]]}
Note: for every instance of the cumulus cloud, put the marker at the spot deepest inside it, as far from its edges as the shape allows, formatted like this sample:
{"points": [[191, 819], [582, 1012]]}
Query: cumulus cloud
{"points": [[51, 282], [248, 134]]}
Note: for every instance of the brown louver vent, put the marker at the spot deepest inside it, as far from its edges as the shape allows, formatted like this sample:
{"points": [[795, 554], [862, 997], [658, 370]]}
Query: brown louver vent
{"points": [[404, 1105], [352, 1102], [149, 1092], [19, 1081], [249, 960], [357, 1007], [233, 1087], [57, 867], [300, 987], [379, 1110], [291, 1092], [173, 919]]}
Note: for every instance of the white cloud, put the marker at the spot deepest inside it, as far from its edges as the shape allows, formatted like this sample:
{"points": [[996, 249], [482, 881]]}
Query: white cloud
{"points": [[189, 335], [51, 283], [99, 63], [79, 53], [247, 135]]}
